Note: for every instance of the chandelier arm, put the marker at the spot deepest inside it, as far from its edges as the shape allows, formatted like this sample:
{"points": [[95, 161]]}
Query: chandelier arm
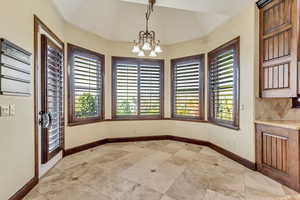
{"points": [[141, 36], [153, 35]]}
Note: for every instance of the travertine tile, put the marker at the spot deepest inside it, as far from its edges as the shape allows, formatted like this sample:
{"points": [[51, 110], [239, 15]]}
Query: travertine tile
{"points": [[289, 191], [118, 188], [76, 192], [165, 197], [35, 195], [230, 185], [155, 170], [258, 186], [191, 185], [211, 195], [193, 147], [183, 157], [162, 146], [158, 177]]}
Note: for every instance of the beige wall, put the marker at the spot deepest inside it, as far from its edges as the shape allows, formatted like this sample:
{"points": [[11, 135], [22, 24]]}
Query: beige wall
{"points": [[84, 134], [17, 133], [240, 142]]}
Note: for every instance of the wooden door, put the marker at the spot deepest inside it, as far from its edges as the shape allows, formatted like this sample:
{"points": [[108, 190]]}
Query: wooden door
{"points": [[52, 119], [278, 49]]}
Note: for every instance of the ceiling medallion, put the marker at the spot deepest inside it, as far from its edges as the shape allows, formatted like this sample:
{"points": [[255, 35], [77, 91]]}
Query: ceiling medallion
{"points": [[146, 41]]}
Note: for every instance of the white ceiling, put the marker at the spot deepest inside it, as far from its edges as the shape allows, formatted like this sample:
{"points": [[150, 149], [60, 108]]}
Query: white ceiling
{"points": [[173, 20]]}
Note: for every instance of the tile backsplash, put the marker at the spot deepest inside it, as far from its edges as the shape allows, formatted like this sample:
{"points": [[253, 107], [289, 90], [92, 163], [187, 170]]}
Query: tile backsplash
{"points": [[276, 109]]}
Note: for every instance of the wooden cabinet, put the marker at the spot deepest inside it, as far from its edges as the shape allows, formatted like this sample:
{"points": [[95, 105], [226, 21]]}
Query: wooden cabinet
{"points": [[277, 154], [279, 35]]}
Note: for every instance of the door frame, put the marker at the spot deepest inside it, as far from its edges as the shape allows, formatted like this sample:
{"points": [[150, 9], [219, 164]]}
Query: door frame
{"points": [[38, 23]]}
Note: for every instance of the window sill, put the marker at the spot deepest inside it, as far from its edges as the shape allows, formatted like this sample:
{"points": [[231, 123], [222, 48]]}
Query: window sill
{"points": [[133, 119], [187, 120], [229, 126], [84, 122], [78, 123]]}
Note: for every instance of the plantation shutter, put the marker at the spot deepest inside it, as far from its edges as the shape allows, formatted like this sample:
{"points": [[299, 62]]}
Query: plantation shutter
{"points": [[223, 90], [127, 89], [52, 82], [86, 84], [137, 87], [150, 89], [188, 88], [87, 81]]}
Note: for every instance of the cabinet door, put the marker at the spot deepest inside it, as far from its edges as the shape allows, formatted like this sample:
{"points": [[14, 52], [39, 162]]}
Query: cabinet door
{"points": [[278, 49], [277, 154]]}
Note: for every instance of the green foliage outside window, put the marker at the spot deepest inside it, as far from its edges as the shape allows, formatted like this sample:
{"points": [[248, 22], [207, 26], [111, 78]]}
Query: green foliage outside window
{"points": [[127, 107], [86, 106]]}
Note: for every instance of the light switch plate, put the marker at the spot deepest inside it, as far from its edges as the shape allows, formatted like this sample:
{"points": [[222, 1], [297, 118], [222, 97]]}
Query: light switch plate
{"points": [[12, 109], [4, 110]]}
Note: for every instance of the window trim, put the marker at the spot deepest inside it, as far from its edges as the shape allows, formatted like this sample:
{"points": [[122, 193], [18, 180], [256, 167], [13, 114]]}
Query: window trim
{"points": [[72, 120], [233, 44], [201, 117], [114, 60]]}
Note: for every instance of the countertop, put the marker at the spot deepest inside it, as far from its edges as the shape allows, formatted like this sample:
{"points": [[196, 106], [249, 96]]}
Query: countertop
{"points": [[290, 124]]}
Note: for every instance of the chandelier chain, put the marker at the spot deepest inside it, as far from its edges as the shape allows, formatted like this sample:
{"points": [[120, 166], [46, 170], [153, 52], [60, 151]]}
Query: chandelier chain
{"points": [[146, 41]]}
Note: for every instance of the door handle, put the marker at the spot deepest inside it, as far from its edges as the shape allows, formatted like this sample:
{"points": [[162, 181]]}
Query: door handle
{"points": [[45, 120]]}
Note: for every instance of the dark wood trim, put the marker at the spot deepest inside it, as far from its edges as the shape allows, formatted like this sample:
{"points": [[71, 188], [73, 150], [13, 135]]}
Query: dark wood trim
{"points": [[84, 147], [201, 58], [232, 156], [262, 3], [235, 124], [187, 120], [112, 140], [138, 61], [72, 120], [45, 42], [220, 150], [133, 119], [25, 189], [38, 23], [137, 139], [85, 122], [189, 140]]}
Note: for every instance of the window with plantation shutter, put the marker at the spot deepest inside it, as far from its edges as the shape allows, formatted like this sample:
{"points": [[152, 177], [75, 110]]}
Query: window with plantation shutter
{"points": [[137, 88], [85, 85], [188, 88], [223, 88]]}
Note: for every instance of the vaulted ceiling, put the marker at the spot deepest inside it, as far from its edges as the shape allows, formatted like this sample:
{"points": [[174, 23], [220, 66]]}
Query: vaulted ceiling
{"points": [[173, 20]]}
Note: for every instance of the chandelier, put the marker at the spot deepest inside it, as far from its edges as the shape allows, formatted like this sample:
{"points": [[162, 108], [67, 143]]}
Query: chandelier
{"points": [[147, 41]]}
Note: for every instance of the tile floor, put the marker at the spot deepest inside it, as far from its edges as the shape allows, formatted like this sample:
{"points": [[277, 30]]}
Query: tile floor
{"points": [[156, 170]]}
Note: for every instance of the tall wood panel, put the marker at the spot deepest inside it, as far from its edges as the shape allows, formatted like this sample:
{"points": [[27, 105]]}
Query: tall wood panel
{"points": [[279, 48], [277, 154]]}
